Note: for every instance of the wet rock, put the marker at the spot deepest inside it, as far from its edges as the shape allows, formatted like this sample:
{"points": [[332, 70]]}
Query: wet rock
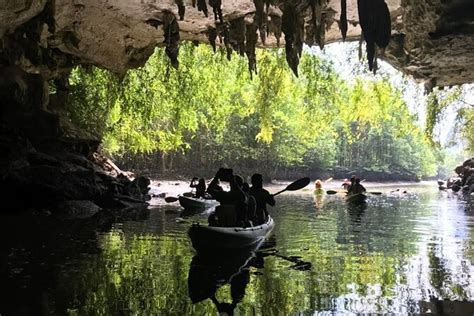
{"points": [[38, 158], [77, 209]]}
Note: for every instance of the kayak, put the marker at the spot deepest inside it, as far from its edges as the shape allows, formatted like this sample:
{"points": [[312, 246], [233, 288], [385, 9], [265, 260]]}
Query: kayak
{"points": [[196, 203], [213, 237], [357, 198]]}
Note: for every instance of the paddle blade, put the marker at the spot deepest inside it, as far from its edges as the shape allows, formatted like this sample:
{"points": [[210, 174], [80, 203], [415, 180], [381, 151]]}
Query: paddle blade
{"points": [[170, 199], [298, 184], [331, 192], [375, 193]]}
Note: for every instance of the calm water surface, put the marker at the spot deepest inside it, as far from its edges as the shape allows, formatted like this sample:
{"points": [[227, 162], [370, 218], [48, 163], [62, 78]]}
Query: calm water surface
{"points": [[399, 254]]}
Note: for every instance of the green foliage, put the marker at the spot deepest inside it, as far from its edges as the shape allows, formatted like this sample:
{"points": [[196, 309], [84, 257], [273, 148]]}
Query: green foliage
{"points": [[210, 113], [436, 104], [466, 116]]}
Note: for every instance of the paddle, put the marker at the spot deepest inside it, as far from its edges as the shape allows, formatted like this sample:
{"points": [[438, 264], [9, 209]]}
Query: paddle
{"points": [[298, 184], [330, 192], [374, 192], [171, 199]]}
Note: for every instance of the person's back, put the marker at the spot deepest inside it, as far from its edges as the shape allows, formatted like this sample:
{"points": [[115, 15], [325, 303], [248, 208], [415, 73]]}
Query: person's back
{"points": [[251, 205], [262, 198], [357, 187], [201, 188], [228, 213]]}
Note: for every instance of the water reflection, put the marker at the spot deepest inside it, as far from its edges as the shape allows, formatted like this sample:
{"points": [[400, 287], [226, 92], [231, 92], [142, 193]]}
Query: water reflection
{"points": [[399, 253], [319, 199], [210, 270], [356, 212]]}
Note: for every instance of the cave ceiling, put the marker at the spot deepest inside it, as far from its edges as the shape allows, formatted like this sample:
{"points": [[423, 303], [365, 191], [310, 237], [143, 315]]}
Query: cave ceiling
{"points": [[431, 40]]}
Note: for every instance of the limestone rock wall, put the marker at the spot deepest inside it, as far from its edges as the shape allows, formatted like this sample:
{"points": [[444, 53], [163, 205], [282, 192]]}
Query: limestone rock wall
{"points": [[432, 40]]}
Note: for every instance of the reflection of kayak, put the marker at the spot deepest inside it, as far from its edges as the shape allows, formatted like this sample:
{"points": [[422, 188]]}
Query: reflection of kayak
{"points": [[319, 191], [196, 203], [357, 198], [210, 270], [212, 237]]}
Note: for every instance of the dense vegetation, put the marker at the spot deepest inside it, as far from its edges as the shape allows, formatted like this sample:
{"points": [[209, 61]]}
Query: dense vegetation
{"points": [[210, 113]]}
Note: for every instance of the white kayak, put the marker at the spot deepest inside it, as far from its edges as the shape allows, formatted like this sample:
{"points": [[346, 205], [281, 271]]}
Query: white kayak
{"points": [[212, 237]]}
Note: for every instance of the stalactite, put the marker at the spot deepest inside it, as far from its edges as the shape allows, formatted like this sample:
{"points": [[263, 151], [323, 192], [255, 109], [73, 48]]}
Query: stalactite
{"points": [[217, 9], [375, 23], [260, 18], [250, 44], [293, 28], [274, 26], [237, 34], [263, 29], [181, 8], [202, 6], [343, 20], [384, 25], [316, 30], [222, 30], [171, 34], [212, 35]]}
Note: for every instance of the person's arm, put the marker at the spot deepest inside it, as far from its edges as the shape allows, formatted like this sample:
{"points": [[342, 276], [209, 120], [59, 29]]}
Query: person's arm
{"points": [[192, 185], [212, 189], [270, 199]]}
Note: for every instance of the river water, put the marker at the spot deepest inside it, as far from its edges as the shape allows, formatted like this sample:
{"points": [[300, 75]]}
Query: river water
{"points": [[401, 253]]}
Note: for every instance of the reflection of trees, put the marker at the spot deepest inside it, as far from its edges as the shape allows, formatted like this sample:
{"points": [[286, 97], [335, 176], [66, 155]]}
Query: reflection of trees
{"points": [[141, 275], [368, 257], [441, 277], [347, 249]]}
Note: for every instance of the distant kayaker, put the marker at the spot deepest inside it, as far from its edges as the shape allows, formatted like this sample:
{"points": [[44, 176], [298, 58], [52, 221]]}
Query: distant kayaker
{"points": [[346, 184], [318, 185], [357, 187], [200, 187], [352, 185], [262, 197]]}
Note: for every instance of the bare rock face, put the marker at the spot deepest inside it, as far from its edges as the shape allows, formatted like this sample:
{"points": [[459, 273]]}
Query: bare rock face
{"points": [[431, 40], [14, 13]]}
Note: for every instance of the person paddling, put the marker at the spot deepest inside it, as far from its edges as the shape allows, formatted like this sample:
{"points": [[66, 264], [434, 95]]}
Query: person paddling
{"points": [[262, 198], [200, 187], [227, 213], [357, 188], [346, 184], [318, 185], [352, 185]]}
